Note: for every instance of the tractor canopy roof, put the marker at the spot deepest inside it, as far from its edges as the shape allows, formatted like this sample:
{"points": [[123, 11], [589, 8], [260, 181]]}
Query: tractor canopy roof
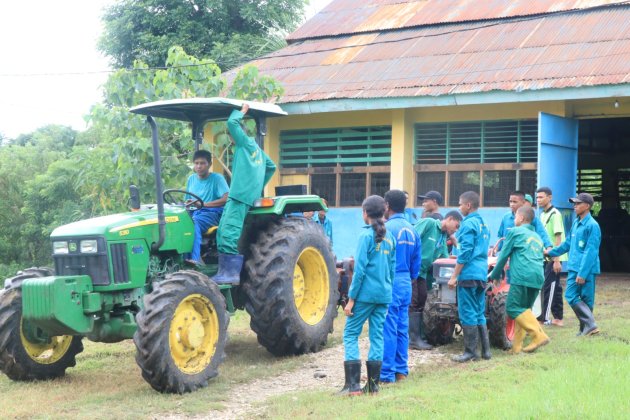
{"points": [[205, 109]]}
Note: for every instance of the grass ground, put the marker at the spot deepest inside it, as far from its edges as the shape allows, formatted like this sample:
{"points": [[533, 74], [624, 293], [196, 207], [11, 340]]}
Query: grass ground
{"points": [[570, 378]]}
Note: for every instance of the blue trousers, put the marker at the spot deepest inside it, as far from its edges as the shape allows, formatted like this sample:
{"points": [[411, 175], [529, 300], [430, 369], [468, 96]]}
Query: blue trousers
{"points": [[471, 305], [584, 292], [203, 219], [375, 314], [396, 331]]}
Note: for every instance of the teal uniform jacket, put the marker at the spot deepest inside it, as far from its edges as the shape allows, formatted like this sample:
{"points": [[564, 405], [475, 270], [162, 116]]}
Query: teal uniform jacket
{"points": [[524, 248], [374, 268], [582, 244], [433, 244], [251, 167], [507, 224], [474, 239]]}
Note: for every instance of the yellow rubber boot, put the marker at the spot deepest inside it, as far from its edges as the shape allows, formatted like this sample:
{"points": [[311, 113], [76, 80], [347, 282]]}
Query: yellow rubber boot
{"points": [[519, 336], [533, 328]]}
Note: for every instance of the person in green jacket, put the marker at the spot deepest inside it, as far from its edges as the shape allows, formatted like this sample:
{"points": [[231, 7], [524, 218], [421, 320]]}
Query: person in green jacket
{"points": [[434, 234], [524, 247], [251, 170]]}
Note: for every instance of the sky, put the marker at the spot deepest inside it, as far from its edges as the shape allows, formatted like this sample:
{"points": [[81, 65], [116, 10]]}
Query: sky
{"points": [[50, 69]]}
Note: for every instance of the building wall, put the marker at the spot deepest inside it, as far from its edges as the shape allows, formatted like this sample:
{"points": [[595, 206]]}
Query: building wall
{"points": [[347, 222]]}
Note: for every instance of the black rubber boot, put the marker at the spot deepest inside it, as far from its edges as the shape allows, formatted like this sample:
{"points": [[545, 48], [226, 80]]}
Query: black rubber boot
{"points": [[415, 332], [471, 339], [485, 342], [581, 329], [229, 269], [352, 370], [584, 314], [373, 376]]}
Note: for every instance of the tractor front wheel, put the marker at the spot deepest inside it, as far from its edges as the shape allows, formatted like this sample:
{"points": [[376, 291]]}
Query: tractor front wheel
{"points": [[182, 333], [439, 329], [291, 287], [26, 352], [500, 326]]}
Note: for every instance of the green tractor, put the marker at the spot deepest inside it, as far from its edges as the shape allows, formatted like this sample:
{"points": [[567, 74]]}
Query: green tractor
{"points": [[124, 276]]}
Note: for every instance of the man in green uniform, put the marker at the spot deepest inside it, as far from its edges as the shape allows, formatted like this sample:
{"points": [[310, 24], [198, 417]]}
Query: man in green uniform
{"points": [[434, 234], [251, 170], [524, 247]]}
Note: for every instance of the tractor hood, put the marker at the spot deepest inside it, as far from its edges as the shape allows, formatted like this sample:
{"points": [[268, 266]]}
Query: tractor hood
{"points": [[105, 225]]}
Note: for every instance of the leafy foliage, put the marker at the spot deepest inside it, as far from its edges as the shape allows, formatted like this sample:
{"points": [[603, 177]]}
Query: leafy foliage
{"points": [[229, 31]]}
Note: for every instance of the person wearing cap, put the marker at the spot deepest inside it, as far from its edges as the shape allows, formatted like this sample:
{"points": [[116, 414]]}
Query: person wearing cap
{"points": [[517, 200], [524, 248], [529, 200], [470, 277], [551, 218], [434, 235], [322, 219], [431, 202], [582, 244]]}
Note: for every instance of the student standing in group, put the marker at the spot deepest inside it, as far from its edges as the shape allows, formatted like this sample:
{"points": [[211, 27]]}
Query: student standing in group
{"points": [[470, 277], [408, 258], [582, 244], [434, 235], [431, 202], [551, 219], [524, 248], [369, 296], [516, 201]]}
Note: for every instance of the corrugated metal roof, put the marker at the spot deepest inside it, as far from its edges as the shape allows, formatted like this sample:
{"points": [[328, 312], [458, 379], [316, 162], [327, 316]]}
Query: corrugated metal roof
{"points": [[356, 16], [581, 48]]}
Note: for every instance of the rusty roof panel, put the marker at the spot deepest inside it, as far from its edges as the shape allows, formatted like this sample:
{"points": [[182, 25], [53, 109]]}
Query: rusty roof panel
{"points": [[568, 50], [354, 16]]}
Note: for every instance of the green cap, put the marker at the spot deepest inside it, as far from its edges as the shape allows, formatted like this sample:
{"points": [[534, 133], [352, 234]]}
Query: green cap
{"points": [[530, 199]]}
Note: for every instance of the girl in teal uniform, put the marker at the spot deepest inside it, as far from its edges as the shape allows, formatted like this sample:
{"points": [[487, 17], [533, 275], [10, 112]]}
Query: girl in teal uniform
{"points": [[369, 296]]}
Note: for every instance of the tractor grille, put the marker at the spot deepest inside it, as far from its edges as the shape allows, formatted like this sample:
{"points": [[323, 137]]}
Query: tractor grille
{"points": [[119, 263], [75, 263]]}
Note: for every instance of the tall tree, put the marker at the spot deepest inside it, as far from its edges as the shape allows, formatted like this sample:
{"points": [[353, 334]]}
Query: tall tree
{"points": [[229, 31]]}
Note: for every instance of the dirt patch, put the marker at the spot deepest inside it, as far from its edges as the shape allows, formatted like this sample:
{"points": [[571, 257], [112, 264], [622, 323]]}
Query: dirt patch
{"points": [[321, 371]]}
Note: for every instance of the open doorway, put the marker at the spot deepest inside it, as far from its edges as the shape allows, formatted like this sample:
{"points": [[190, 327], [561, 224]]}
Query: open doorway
{"points": [[604, 172]]}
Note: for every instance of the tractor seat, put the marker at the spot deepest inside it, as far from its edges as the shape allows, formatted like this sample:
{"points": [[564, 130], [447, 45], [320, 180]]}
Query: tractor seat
{"points": [[211, 231]]}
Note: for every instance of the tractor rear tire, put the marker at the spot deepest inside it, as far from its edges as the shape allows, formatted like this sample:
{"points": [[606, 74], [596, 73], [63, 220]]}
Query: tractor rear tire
{"points": [[290, 284], [497, 320], [182, 333], [20, 358], [438, 329]]}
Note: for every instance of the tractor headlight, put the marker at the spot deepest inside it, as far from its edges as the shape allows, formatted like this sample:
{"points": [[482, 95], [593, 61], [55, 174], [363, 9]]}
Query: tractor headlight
{"points": [[446, 272], [60, 247], [89, 246]]}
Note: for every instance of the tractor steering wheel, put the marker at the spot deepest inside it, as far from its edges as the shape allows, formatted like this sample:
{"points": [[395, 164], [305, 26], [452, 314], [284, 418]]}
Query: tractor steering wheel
{"points": [[196, 204]]}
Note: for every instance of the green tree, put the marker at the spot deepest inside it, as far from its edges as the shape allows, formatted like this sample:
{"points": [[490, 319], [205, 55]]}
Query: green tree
{"points": [[229, 31]]}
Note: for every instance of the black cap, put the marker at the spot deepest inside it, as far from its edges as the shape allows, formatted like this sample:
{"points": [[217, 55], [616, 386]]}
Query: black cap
{"points": [[583, 198], [432, 195]]}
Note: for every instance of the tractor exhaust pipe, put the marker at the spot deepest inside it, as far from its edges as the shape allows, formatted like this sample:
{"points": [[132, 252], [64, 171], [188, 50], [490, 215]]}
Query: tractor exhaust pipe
{"points": [[157, 167]]}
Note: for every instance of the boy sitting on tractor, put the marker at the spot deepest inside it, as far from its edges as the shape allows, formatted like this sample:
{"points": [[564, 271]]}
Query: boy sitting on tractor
{"points": [[213, 190]]}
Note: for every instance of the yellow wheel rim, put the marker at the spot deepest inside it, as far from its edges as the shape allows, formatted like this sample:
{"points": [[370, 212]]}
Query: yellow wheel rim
{"points": [[311, 287], [193, 334], [46, 353]]}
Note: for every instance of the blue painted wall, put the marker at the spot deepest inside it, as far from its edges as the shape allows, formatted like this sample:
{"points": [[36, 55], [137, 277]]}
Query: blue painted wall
{"points": [[348, 222]]}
